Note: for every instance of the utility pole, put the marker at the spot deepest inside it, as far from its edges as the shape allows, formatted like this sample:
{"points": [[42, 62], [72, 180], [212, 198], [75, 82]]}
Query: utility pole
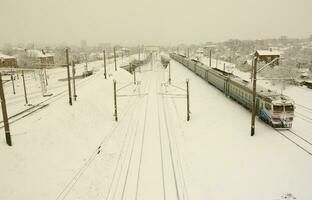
{"points": [[45, 75], [133, 71], [13, 86], [210, 58], [169, 73], [152, 62], [68, 78], [24, 85], [115, 58], [74, 80], [254, 93], [223, 67], [104, 57], [115, 102], [5, 114], [187, 101]]}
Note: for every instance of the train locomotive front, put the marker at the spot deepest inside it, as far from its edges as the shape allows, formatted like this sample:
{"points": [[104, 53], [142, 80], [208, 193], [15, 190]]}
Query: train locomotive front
{"points": [[277, 110]]}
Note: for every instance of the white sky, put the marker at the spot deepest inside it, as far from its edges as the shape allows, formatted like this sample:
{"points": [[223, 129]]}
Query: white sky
{"points": [[133, 22]]}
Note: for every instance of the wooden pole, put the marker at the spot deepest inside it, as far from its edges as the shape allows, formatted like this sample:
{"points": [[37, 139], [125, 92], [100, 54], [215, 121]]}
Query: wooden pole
{"points": [[210, 58], [187, 101], [104, 57], [68, 79], [133, 71], [74, 80], [45, 75], [254, 93], [115, 59], [24, 85], [13, 86], [5, 115], [115, 101], [169, 73]]}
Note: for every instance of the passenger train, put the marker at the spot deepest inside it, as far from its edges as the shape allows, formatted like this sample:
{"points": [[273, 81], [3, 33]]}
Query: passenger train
{"points": [[273, 108]]}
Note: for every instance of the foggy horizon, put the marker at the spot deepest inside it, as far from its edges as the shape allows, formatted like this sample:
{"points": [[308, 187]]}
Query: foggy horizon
{"points": [[151, 22]]}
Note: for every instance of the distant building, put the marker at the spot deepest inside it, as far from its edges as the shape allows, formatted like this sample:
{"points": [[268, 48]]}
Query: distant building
{"points": [[40, 56], [208, 48], [152, 48], [7, 61], [268, 55]]}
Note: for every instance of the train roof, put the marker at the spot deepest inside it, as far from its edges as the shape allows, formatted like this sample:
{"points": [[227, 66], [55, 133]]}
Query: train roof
{"points": [[264, 93], [6, 56]]}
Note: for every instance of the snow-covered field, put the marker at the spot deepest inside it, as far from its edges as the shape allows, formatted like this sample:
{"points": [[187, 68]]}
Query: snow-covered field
{"points": [[152, 152]]}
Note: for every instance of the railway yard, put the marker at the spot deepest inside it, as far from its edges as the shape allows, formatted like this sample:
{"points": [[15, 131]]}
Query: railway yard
{"points": [[152, 152]]}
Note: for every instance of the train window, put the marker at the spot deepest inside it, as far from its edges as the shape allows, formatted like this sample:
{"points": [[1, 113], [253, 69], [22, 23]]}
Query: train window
{"points": [[289, 108], [278, 108], [267, 106]]}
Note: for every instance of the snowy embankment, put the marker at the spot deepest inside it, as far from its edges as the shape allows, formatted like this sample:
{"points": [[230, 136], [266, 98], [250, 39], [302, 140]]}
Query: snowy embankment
{"points": [[224, 162], [51, 145], [79, 152]]}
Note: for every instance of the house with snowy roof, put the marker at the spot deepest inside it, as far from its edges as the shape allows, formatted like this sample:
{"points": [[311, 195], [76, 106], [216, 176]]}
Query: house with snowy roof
{"points": [[7, 61], [40, 56], [268, 55]]}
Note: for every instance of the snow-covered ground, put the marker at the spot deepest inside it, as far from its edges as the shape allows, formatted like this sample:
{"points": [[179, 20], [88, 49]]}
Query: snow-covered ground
{"points": [[152, 152]]}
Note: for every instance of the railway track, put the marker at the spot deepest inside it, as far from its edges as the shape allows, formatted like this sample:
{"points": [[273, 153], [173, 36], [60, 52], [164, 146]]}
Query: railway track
{"points": [[24, 113], [150, 138], [44, 103], [168, 138], [119, 184], [121, 127], [297, 140]]}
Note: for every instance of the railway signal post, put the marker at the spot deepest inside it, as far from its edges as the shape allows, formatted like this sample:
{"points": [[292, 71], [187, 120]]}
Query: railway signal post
{"points": [[104, 57], [5, 114], [68, 79]]}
